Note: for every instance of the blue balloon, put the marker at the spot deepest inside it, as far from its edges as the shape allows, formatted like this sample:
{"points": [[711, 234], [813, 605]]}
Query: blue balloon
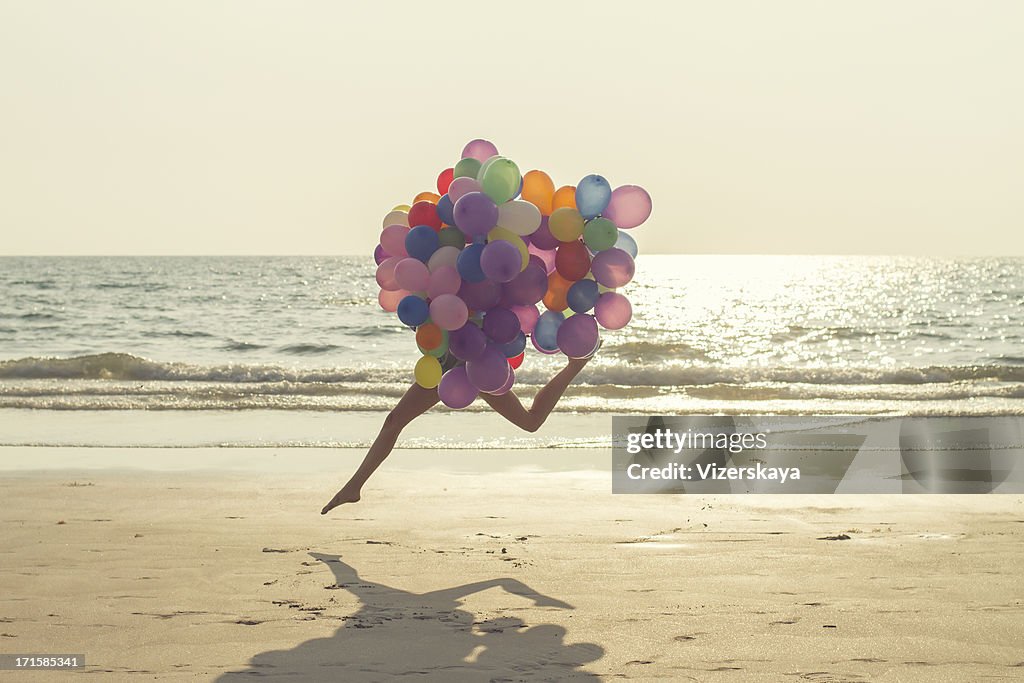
{"points": [[592, 196], [626, 243], [514, 347], [468, 263], [421, 242], [413, 311], [446, 209], [582, 295], [545, 332]]}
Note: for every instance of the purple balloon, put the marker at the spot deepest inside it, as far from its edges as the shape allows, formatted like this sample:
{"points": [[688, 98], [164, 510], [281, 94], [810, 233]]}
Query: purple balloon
{"points": [[507, 386], [479, 149], [542, 236], [490, 371], [613, 267], [379, 255], [455, 389], [501, 325], [480, 296], [468, 342], [577, 336], [613, 311], [501, 261], [475, 214], [529, 286]]}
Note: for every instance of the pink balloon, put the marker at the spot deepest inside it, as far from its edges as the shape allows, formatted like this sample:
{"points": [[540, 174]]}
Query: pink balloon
{"points": [[479, 149], [630, 206], [392, 238], [613, 311], [577, 336], [527, 316], [461, 187], [455, 390], [448, 312], [444, 280], [412, 274], [386, 274], [546, 256], [389, 300], [613, 267]]}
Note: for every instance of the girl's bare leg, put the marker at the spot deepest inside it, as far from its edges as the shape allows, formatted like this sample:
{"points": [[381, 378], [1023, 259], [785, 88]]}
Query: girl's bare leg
{"points": [[509, 406], [414, 403]]}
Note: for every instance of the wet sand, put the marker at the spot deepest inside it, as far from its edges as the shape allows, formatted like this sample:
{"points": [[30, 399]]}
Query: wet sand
{"points": [[214, 564]]}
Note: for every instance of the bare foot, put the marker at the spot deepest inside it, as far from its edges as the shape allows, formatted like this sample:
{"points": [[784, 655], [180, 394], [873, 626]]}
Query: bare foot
{"points": [[346, 495]]}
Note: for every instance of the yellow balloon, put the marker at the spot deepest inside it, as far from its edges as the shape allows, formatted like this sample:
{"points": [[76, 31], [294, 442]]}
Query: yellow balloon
{"points": [[402, 207], [566, 224], [516, 240], [428, 372]]}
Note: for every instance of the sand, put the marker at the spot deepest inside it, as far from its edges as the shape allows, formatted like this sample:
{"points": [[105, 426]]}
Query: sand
{"points": [[215, 565]]}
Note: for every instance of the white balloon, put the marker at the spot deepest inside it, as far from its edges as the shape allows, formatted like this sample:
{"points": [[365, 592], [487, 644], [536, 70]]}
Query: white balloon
{"points": [[396, 218], [518, 216], [444, 256]]}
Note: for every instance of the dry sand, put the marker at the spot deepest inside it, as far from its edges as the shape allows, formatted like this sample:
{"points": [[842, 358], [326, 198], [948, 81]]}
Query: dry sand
{"points": [[507, 575]]}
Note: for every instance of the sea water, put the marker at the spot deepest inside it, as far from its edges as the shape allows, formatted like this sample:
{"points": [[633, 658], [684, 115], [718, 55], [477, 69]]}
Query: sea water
{"points": [[710, 334]]}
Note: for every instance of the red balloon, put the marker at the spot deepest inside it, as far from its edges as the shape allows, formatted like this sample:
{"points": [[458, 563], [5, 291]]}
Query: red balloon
{"points": [[444, 180], [424, 213], [572, 261], [516, 361]]}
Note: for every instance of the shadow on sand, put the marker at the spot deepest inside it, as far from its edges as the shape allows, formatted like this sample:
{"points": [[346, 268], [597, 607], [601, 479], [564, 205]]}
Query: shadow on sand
{"points": [[428, 636]]}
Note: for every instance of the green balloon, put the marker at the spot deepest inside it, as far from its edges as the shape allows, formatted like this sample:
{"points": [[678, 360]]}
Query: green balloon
{"points": [[452, 237], [500, 180], [600, 234], [466, 168]]}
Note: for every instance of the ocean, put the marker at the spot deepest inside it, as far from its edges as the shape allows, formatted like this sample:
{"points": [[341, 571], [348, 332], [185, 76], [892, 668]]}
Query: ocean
{"points": [[710, 334]]}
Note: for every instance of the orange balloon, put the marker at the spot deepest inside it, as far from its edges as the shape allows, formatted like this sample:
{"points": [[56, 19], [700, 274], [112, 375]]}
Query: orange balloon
{"points": [[428, 336], [555, 301], [564, 196], [558, 287], [431, 197], [539, 190]]}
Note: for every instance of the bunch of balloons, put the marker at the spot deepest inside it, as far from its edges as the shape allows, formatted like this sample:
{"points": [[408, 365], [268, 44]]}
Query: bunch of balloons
{"points": [[467, 267]]}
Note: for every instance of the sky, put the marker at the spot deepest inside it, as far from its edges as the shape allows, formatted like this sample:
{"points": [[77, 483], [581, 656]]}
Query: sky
{"points": [[256, 127]]}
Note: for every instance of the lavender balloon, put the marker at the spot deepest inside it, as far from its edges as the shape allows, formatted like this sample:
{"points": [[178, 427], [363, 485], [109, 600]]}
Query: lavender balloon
{"points": [[455, 389], [501, 325], [500, 260], [577, 336], [475, 214], [613, 311], [479, 149], [468, 342], [613, 267], [490, 371], [527, 317], [629, 206], [379, 255]]}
